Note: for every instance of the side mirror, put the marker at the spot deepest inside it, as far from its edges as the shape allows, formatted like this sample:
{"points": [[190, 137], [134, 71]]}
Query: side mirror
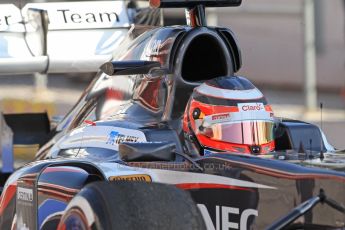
{"points": [[154, 151], [37, 31], [129, 67]]}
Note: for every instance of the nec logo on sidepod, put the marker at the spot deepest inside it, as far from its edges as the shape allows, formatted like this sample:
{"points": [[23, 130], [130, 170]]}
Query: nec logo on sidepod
{"points": [[224, 214]]}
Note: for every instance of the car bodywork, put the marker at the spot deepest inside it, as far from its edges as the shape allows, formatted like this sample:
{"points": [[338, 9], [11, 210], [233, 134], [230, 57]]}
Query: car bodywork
{"points": [[253, 191], [127, 126]]}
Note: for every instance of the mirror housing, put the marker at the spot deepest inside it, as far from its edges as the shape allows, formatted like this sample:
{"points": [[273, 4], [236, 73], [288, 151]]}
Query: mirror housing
{"points": [[129, 67], [147, 151]]}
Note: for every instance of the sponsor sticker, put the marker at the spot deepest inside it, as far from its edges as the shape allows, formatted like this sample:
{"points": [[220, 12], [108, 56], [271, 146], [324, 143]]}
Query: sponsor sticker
{"points": [[84, 15], [99, 136], [25, 194], [251, 107], [136, 177], [223, 116], [217, 118], [115, 137]]}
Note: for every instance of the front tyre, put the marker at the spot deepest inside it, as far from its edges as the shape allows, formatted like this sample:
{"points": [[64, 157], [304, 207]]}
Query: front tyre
{"points": [[131, 205]]}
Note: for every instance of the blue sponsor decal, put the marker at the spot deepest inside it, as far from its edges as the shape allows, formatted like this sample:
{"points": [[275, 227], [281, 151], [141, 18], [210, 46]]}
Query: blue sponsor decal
{"points": [[208, 152], [112, 137], [115, 138]]}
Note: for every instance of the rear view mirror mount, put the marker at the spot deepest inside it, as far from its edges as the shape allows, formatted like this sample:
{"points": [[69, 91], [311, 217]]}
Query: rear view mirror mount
{"points": [[195, 9], [37, 31], [147, 151]]}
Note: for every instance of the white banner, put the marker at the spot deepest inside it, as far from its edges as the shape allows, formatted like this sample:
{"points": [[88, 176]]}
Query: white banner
{"points": [[10, 18], [83, 15]]}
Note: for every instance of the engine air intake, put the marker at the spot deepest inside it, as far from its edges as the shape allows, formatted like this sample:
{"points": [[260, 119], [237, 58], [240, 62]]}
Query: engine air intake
{"points": [[204, 59]]}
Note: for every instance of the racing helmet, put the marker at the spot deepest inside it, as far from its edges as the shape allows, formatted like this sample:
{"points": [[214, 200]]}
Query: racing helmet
{"points": [[228, 114]]}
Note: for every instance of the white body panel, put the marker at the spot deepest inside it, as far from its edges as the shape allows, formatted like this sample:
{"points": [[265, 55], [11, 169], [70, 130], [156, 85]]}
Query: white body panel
{"points": [[175, 177], [106, 137], [81, 36]]}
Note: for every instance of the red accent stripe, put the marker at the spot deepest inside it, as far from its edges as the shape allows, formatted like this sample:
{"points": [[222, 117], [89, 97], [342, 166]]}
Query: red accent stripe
{"points": [[7, 196], [188, 186], [48, 185], [61, 226], [57, 195], [92, 123], [29, 175]]}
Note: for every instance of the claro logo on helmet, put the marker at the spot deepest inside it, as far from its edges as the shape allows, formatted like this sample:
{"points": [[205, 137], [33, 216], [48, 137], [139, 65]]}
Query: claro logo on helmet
{"points": [[251, 107]]}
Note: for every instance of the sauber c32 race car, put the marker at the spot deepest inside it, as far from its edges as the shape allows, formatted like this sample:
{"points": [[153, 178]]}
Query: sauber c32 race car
{"points": [[118, 161]]}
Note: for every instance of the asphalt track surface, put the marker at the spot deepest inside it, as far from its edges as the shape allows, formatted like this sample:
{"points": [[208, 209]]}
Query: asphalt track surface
{"points": [[64, 91]]}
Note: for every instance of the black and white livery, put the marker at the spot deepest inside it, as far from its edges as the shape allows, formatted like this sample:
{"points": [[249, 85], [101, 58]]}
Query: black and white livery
{"points": [[118, 160]]}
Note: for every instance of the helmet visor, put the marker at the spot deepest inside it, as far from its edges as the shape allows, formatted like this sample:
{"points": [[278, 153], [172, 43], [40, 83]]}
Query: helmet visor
{"points": [[250, 132]]}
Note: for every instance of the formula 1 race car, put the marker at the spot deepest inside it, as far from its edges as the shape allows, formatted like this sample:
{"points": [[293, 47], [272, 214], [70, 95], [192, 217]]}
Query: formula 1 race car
{"points": [[118, 160]]}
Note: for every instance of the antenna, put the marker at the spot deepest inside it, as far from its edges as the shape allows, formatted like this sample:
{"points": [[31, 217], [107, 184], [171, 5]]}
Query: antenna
{"points": [[301, 149], [310, 150], [322, 156], [321, 108]]}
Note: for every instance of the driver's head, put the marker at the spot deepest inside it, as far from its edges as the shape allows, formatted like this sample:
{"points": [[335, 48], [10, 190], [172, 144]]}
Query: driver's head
{"points": [[228, 114]]}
